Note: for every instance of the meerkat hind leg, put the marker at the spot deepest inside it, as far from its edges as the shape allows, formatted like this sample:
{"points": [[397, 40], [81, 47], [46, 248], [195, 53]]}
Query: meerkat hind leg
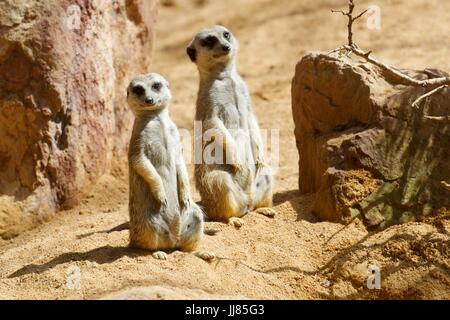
{"points": [[236, 222], [267, 212], [205, 255], [159, 255]]}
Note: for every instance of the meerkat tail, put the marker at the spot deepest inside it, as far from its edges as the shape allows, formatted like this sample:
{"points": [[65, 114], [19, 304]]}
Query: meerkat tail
{"points": [[204, 255], [120, 227]]}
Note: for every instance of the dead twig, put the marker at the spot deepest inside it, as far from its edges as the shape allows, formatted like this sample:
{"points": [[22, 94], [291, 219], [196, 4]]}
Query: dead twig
{"points": [[407, 79], [426, 95], [438, 118], [436, 84], [445, 185], [351, 19]]}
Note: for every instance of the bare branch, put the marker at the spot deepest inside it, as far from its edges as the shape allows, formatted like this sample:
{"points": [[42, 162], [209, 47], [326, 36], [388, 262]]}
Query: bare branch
{"points": [[339, 11], [351, 19], [360, 15], [441, 83], [439, 118], [436, 84], [426, 95], [407, 79], [445, 185], [337, 50]]}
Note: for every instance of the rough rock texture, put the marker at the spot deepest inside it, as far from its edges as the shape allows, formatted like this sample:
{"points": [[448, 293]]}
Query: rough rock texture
{"points": [[64, 67], [363, 149]]}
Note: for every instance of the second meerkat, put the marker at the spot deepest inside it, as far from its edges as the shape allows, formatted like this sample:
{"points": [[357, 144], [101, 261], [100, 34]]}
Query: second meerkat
{"points": [[243, 182]]}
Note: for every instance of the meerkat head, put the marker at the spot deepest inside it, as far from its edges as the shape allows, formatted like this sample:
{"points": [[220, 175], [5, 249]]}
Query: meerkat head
{"points": [[148, 92], [212, 46]]}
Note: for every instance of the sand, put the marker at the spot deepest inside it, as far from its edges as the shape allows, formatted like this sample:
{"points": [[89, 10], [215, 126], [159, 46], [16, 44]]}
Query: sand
{"points": [[292, 256]]}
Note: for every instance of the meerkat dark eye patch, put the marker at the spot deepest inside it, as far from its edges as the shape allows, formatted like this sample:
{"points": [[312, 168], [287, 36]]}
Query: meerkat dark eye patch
{"points": [[157, 86], [227, 35], [192, 53], [209, 42], [138, 90]]}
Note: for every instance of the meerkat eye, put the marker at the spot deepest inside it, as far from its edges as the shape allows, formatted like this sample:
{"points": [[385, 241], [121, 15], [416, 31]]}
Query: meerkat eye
{"points": [[138, 90], [157, 86], [227, 35], [209, 41]]}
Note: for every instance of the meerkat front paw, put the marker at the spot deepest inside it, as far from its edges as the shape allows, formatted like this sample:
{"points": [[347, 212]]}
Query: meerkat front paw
{"points": [[268, 212], [236, 168], [207, 256], [160, 196], [159, 255], [184, 206], [259, 165], [236, 222]]}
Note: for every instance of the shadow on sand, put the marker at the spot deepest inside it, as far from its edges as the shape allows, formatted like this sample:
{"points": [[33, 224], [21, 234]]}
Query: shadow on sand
{"points": [[105, 254]]}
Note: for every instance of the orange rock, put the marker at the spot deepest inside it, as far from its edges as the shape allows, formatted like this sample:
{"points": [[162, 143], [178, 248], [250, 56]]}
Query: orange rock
{"points": [[63, 72], [364, 150]]}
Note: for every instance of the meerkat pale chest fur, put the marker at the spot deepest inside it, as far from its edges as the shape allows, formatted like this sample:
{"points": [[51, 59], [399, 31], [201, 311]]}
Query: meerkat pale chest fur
{"points": [[162, 214], [243, 181]]}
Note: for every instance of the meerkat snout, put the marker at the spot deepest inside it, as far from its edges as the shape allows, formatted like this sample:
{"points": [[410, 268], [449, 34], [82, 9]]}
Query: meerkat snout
{"points": [[148, 92], [212, 46]]}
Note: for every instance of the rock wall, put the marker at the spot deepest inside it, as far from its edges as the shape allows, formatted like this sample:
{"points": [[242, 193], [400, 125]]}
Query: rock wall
{"points": [[363, 149], [64, 68]]}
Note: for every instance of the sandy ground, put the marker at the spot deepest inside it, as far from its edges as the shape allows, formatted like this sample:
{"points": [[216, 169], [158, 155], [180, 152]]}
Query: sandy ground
{"points": [[292, 256]]}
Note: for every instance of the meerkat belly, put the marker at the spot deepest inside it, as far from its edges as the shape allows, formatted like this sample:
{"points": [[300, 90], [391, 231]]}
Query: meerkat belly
{"points": [[141, 199], [234, 115], [244, 114], [165, 164]]}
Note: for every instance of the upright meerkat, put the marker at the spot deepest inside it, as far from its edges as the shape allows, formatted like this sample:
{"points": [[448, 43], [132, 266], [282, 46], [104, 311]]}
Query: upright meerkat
{"points": [[243, 182], [163, 216]]}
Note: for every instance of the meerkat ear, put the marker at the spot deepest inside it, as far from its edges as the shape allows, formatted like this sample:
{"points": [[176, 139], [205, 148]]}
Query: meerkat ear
{"points": [[191, 52]]}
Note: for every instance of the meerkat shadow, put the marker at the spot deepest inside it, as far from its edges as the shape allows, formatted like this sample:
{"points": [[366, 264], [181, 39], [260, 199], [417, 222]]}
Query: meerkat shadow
{"points": [[103, 255]]}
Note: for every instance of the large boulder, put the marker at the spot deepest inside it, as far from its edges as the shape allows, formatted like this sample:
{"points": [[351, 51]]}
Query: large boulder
{"points": [[364, 150], [64, 68]]}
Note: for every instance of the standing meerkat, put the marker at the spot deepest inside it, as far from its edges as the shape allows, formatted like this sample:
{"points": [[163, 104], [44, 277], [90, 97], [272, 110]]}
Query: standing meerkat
{"points": [[243, 182], [163, 216]]}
